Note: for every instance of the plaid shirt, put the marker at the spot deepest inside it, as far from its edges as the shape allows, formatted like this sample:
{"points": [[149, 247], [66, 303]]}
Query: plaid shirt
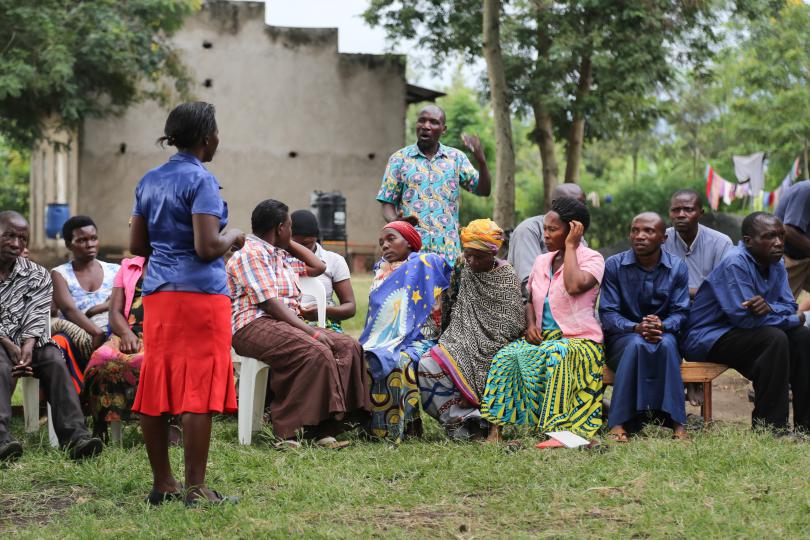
{"points": [[258, 272]]}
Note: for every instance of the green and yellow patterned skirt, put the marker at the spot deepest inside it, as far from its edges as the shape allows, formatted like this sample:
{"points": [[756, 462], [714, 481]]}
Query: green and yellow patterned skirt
{"points": [[554, 386]]}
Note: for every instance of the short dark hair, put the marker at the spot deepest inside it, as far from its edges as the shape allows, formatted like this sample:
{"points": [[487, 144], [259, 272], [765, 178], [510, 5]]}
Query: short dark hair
{"points": [[76, 222], [268, 215], [188, 124], [572, 210], [750, 224], [692, 193]]}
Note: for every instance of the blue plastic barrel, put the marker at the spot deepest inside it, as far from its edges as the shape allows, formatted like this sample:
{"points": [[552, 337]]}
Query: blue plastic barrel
{"points": [[56, 214]]}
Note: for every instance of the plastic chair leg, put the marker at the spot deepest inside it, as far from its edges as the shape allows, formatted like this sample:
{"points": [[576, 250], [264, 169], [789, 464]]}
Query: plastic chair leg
{"points": [[116, 432], [247, 383], [30, 392], [54, 440]]}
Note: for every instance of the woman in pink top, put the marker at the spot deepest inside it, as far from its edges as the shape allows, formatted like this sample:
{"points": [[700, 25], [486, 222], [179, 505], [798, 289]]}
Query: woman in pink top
{"points": [[111, 376], [552, 377]]}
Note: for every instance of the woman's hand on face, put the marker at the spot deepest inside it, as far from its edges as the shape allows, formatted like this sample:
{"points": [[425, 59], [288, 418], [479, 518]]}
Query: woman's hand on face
{"points": [[130, 344], [534, 335], [575, 232]]}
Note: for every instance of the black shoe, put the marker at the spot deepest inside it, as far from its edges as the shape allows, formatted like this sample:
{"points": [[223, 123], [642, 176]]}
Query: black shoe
{"points": [[10, 451], [86, 448], [156, 498]]}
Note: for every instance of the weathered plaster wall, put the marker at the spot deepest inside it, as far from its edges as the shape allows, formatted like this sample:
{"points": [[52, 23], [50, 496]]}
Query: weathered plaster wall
{"points": [[279, 92]]}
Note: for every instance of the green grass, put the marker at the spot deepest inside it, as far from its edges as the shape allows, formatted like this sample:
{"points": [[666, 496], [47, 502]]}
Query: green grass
{"points": [[361, 283], [727, 482]]}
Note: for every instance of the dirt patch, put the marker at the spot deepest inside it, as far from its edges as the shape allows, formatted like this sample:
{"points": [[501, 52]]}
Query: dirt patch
{"points": [[729, 399], [39, 506]]}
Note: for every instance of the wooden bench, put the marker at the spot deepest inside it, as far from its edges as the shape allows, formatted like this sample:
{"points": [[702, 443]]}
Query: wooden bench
{"points": [[691, 372]]}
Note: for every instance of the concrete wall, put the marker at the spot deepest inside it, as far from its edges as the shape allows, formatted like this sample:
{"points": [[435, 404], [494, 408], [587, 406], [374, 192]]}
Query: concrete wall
{"points": [[279, 93]]}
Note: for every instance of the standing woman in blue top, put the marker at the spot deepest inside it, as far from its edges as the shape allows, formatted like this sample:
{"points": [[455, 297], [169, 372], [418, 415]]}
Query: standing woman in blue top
{"points": [[178, 222]]}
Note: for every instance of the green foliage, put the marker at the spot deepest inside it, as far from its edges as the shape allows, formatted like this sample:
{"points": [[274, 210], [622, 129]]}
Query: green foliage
{"points": [[14, 174], [72, 59]]}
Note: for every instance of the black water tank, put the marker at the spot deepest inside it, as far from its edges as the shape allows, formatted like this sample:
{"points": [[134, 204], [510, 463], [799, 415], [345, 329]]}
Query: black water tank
{"points": [[330, 208]]}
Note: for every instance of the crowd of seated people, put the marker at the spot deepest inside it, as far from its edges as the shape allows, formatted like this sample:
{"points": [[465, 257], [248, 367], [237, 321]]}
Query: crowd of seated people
{"points": [[451, 338]]}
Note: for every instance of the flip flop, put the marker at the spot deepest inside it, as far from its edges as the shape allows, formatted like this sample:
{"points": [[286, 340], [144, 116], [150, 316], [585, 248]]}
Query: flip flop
{"points": [[620, 437], [287, 444], [202, 502], [331, 443], [550, 443]]}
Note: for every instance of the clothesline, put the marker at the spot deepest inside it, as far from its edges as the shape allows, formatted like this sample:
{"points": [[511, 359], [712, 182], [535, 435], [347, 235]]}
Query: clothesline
{"points": [[719, 189]]}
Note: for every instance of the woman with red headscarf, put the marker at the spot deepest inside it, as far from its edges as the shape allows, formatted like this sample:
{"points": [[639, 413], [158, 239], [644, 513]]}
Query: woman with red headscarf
{"points": [[402, 324]]}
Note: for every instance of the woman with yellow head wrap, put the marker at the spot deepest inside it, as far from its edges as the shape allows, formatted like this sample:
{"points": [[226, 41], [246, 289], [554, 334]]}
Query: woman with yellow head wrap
{"points": [[485, 314]]}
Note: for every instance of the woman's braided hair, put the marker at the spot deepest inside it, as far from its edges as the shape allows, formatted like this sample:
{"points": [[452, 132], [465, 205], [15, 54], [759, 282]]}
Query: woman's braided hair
{"points": [[571, 210]]}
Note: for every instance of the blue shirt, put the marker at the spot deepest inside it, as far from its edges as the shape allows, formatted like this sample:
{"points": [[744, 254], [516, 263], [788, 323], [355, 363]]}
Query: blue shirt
{"points": [[718, 302], [166, 198], [630, 292], [429, 190], [707, 250], [794, 209]]}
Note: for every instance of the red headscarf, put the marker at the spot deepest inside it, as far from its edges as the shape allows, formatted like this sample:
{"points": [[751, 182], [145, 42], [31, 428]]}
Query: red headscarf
{"points": [[408, 232]]}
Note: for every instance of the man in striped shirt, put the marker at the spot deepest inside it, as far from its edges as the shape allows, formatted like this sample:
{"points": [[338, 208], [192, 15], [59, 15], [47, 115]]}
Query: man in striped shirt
{"points": [[27, 349]]}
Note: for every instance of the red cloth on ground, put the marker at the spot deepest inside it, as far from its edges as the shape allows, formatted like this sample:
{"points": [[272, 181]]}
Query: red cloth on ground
{"points": [[187, 364]]}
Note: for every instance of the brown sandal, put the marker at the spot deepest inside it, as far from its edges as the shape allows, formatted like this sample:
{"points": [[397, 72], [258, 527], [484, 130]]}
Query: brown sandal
{"points": [[681, 435], [618, 437]]}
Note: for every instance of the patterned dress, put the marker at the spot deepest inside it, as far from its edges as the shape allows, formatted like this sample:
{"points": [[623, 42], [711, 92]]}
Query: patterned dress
{"points": [[554, 386], [111, 377], [429, 189], [402, 325], [486, 313]]}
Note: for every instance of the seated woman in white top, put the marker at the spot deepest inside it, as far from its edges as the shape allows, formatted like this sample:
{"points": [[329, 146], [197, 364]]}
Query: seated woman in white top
{"points": [[81, 297], [336, 279]]}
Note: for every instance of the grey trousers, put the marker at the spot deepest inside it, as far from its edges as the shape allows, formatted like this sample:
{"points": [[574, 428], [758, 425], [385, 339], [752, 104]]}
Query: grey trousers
{"points": [[49, 367]]}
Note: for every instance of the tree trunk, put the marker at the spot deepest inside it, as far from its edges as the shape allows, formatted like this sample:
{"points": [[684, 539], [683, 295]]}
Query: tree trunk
{"points": [[544, 137], [576, 137], [635, 165], [543, 133], [806, 165], [504, 211]]}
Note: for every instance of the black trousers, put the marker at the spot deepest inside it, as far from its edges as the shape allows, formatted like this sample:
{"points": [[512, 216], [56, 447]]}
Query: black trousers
{"points": [[774, 360], [49, 367]]}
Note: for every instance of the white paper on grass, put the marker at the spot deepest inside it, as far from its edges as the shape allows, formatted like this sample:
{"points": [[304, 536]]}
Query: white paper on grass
{"points": [[568, 439]]}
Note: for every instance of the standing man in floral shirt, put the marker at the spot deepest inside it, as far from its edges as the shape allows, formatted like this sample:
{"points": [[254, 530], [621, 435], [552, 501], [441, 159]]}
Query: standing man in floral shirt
{"points": [[423, 180]]}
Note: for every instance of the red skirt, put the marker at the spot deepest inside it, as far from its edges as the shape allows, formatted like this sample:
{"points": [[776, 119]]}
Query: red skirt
{"points": [[187, 364]]}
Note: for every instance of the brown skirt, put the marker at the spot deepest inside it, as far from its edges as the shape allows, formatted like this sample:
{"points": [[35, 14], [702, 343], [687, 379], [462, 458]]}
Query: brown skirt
{"points": [[310, 383]]}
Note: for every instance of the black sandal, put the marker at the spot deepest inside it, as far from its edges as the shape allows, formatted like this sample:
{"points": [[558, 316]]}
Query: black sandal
{"points": [[156, 498]]}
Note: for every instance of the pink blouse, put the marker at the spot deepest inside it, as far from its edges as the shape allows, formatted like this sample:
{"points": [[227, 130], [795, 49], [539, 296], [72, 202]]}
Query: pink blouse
{"points": [[126, 278], [576, 315]]}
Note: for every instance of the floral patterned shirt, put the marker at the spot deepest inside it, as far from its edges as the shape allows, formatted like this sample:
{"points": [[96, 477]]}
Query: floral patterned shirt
{"points": [[429, 190]]}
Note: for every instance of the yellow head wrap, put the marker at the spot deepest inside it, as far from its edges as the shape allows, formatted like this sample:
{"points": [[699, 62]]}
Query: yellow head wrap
{"points": [[483, 235]]}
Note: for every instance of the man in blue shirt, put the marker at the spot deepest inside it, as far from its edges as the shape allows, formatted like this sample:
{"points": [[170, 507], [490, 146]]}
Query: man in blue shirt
{"points": [[744, 316], [794, 212], [644, 305]]}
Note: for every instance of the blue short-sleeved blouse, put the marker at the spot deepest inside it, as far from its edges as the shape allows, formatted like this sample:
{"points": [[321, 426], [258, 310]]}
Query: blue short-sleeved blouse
{"points": [[166, 197]]}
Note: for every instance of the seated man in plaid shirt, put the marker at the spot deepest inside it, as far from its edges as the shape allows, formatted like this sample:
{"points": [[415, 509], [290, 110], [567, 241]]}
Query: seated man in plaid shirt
{"points": [[317, 377]]}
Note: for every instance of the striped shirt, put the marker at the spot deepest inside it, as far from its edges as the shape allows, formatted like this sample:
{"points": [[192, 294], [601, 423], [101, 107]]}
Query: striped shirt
{"points": [[259, 272], [25, 302]]}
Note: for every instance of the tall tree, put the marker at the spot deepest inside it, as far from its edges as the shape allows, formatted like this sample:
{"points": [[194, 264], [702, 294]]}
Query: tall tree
{"points": [[67, 59], [579, 66], [504, 213]]}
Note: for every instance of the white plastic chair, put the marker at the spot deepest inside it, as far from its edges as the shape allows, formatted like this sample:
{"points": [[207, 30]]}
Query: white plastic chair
{"points": [[253, 373], [30, 391]]}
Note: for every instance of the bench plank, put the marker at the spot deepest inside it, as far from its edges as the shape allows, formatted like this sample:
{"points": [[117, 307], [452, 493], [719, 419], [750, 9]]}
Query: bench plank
{"points": [[691, 372]]}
